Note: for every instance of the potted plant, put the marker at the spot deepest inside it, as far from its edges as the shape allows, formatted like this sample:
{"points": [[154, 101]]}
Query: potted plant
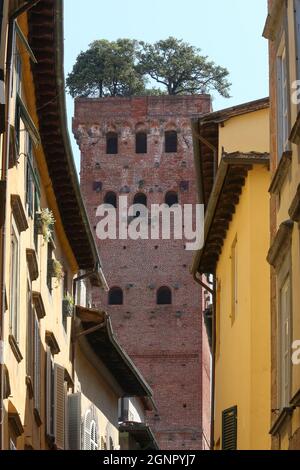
{"points": [[56, 270], [45, 222], [68, 305]]}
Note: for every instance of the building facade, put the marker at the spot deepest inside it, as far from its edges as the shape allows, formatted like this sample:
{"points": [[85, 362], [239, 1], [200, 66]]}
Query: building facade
{"points": [[49, 261], [282, 29], [232, 158], [142, 148]]}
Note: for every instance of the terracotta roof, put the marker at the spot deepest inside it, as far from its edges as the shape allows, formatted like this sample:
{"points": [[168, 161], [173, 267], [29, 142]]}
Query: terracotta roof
{"points": [[46, 42]]}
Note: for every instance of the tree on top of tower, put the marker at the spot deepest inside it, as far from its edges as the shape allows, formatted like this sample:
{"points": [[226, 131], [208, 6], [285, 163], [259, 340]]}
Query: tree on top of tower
{"points": [[181, 68], [107, 68], [125, 66]]}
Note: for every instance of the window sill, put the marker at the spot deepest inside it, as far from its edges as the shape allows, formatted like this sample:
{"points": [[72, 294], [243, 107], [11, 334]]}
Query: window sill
{"points": [[281, 420], [281, 173], [15, 348]]}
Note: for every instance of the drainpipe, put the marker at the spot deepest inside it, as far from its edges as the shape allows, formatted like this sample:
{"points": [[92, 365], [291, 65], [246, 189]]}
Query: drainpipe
{"points": [[4, 171], [213, 370]]}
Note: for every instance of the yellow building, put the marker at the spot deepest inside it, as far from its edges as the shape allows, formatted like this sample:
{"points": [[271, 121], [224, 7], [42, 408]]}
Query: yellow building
{"points": [[232, 160], [282, 29], [48, 258]]}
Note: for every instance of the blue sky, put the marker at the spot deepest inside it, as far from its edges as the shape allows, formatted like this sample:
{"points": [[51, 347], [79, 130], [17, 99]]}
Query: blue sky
{"points": [[228, 31]]}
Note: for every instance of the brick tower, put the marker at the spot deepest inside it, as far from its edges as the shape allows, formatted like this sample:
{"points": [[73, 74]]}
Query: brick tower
{"points": [[142, 147]]}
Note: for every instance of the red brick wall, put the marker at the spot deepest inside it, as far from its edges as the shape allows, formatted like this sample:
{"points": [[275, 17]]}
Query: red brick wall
{"points": [[165, 342]]}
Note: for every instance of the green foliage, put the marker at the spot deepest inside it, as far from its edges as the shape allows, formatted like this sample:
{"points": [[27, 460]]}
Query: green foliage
{"points": [[106, 69], [123, 68], [181, 69]]}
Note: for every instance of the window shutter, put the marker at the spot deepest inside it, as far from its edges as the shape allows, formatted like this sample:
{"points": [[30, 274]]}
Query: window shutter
{"points": [[37, 363], [29, 355], [229, 429], [49, 428], [74, 421], [59, 406]]}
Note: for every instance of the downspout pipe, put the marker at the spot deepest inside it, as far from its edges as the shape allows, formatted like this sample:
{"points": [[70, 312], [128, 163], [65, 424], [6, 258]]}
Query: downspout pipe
{"points": [[4, 172], [213, 370]]}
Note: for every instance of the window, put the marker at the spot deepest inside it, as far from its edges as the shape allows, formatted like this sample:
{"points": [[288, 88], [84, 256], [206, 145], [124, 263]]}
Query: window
{"points": [[37, 363], [141, 142], [94, 436], [18, 125], [49, 266], [141, 199], [164, 296], [171, 142], [65, 296], [229, 429], [29, 177], [55, 402], [18, 72], [234, 281], [33, 362], [14, 283], [112, 143], [115, 296], [90, 437], [283, 102], [171, 198], [285, 343], [111, 199]]}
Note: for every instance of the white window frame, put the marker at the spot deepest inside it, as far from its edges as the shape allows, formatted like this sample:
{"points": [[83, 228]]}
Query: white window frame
{"points": [[14, 305], [282, 99]]}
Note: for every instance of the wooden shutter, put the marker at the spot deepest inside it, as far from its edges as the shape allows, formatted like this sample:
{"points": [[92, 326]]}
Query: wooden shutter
{"points": [[74, 421], [49, 408], [59, 406], [29, 352], [229, 429], [37, 364]]}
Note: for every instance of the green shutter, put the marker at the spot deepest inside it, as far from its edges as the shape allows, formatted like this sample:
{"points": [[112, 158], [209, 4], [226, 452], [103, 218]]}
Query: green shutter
{"points": [[229, 429]]}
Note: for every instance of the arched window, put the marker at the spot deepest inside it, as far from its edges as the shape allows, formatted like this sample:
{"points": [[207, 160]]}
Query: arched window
{"points": [[115, 296], [94, 436], [141, 142], [140, 198], [111, 198], [171, 141], [164, 296], [112, 143], [171, 198]]}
